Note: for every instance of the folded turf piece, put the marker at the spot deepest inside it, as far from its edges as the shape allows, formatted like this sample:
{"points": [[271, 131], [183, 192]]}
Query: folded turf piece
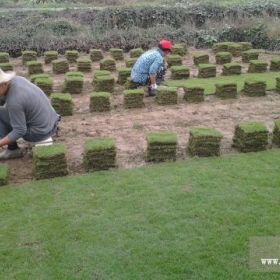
{"points": [[71, 55], [231, 69], [162, 146], [117, 54], [99, 154], [254, 87], [34, 67], [180, 72], [49, 56], [250, 137], [60, 66], [96, 55], [108, 64], [206, 70], [99, 102], [166, 95], [4, 174], [133, 98], [226, 90], [62, 103], [223, 57], [194, 94]]}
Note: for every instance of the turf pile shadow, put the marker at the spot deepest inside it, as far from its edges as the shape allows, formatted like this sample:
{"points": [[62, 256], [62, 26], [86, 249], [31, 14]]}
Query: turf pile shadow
{"points": [[135, 53], [73, 84], [231, 69], [254, 87], [250, 55], [204, 142], [161, 146], [223, 57], [71, 55], [180, 72], [108, 64], [250, 137], [99, 154], [206, 70], [49, 56], [60, 66], [117, 54], [4, 174], [179, 49], [257, 66], [45, 84], [34, 67], [7, 66], [174, 60], [49, 161], [133, 98], [226, 90], [130, 61], [123, 74], [28, 56], [99, 102], [276, 133], [275, 64], [96, 55], [4, 57], [200, 58], [166, 95], [84, 64], [62, 103], [194, 94]]}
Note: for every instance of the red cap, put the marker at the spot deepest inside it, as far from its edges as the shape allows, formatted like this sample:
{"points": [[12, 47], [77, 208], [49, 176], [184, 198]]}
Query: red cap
{"points": [[165, 45]]}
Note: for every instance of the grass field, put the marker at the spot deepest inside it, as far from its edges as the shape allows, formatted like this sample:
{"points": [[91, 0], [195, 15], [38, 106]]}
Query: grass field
{"points": [[209, 84], [183, 220]]}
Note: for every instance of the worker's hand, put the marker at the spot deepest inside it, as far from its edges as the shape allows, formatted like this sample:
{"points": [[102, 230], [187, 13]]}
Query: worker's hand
{"points": [[154, 86]]}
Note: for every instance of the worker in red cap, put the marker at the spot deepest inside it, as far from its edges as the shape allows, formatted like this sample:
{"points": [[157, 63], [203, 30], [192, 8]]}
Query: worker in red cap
{"points": [[149, 69]]}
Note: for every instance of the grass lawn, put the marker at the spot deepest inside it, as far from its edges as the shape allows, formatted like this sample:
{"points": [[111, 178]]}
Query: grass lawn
{"points": [[209, 84], [184, 220]]}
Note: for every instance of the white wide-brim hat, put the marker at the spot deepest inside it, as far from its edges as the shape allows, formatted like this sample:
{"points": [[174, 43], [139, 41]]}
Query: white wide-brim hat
{"points": [[5, 77]]}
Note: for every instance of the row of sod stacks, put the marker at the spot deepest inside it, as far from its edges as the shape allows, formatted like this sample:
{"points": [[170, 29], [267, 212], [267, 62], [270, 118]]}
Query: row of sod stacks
{"points": [[99, 102], [133, 98], [257, 66], [200, 58], [174, 59], [62, 103], [130, 62], [206, 70], [117, 54], [96, 55], [204, 142], [275, 64], [73, 83], [250, 55], [135, 53], [60, 66], [129, 84], [220, 47], [84, 64], [278, 84], [194, 94], [226, 90], [108, 64], [179, 49], [254, 88], [4, 57], [162, 146], [49, 56], [166, 95], [34, 67], [36, 76], [180, 72], [124, 73], [99, 154], [246, 46], [4, 174], [49, 161], [6, 66], [234, 48], [276, 133], [250, 137], [223, 57], [28, 56], [45, 84], [100, 73], [231, 69], [104, 83], [71, 55]]}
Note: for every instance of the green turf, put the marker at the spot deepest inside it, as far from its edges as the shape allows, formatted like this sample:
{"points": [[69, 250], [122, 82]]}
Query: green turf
{"points": [[48, 151], [74, 74], [62, 96], [186, 220], [252, 127], [99, 144], [209, 84], [163, 137], [205, 132]]}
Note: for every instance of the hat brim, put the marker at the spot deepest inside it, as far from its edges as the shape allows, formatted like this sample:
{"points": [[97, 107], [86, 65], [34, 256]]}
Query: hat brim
{"points": [[6, 77]]}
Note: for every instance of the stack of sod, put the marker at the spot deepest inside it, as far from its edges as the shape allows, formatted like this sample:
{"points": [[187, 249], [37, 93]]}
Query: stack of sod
{"points": [[73, 84], [34, 77], [6, 66], [84, 64], [135, 53], [130, 61], [28, 56], [95, 55], [71, 55], [180, 72], [226, 90], [200, 58], [45, 84], [276, 133], [99, 154], [179, 49], [231, 69], [50, 56], [4, 174], [250, 55], [60, 66], [104, 83], [166, 95], [246, 46], [223, 57], [129, 84], [100, 73], [74, 74], [194, 94], [221, 47], [49, 161], [62, 103], [204, 142], [124, 73], [34, 67], [278, 84], [257, 66], [108, 64], [254, 87], [206, 70], [174, 59], [99, 102], [162, 146], [117, 54], [235, 49], [275, 64], [133, 98], [250, 137], [4, 57]]}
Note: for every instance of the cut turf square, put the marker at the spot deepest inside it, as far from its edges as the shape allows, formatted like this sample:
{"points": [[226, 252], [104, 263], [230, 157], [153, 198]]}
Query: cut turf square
{"points": [[73, 84], [180, 72], [99, 102], [49, 56], [226, 90], [117, 54], [173, 60], [275, 64], [276, 133], [6, 66], [62, 103], [34, 67], [45, 84], [28, 56], [123, 74], [84, 64], [4, 57], [231, 69], [223, 57], [104, 83], [107, 64], [135, 53], [96, 55], [200, 58], [254, 87], [194, 94], [71, 55], [257, 66], [250, 55], [179, 49], [166, 95], [130, 61], [60, 66], [133, 98], [206, 70]]}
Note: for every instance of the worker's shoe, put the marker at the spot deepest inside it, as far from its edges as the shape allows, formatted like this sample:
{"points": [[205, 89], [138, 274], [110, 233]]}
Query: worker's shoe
{"points": [[9, 154], [151, 92]]}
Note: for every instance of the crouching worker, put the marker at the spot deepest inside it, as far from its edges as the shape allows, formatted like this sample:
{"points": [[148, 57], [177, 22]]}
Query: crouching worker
{"points": [[149, 69], [26, 113]]}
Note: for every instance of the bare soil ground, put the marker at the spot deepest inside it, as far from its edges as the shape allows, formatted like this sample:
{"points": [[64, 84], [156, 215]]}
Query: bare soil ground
{"points": [[129, 127]]}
